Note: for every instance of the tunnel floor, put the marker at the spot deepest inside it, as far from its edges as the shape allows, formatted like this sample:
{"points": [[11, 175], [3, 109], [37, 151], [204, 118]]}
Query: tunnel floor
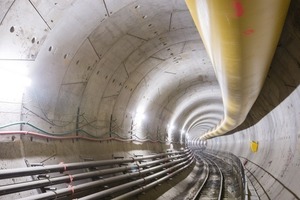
{"points": [[216, 175]]}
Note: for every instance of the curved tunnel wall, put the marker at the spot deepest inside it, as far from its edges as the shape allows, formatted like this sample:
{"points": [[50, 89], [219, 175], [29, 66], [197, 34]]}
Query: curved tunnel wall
{"points": [[274, 121], [100, 64], [99, 61]]}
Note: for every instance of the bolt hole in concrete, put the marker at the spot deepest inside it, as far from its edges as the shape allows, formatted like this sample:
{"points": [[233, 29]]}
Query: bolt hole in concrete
{"points": [[12, 29], [145, 16], [33, 40], [136, 7], [50, 48], [65, 56]]}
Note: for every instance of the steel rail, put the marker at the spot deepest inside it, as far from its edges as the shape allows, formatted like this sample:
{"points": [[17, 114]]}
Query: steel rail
{"points": [[240, 165], [221, 178], [205, 180]]}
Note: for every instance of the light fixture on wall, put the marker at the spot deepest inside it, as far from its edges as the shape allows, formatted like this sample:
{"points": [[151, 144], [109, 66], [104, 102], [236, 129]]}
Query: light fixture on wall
{"points": [[140, 115], [13, 79], [181, 135], [139, 118]]}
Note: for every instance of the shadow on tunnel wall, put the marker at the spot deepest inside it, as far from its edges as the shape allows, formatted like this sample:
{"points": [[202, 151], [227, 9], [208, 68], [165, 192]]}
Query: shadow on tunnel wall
{"points": [[284, 73]]}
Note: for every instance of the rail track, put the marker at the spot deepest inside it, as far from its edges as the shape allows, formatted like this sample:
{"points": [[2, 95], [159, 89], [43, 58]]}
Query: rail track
{"points": [[221, 179]]}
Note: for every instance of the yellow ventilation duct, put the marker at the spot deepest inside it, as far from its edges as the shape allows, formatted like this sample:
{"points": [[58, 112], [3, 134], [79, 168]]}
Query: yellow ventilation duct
{"points": [[240, 37]]}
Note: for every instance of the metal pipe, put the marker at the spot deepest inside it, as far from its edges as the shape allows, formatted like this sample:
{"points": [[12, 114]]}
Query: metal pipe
{"points": [[110, 191], [10, 173], [18, 187], [85, 186], [151, 185]]}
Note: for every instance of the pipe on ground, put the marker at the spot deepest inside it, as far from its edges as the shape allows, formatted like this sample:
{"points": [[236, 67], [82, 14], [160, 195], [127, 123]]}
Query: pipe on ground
{"points": [[18, 187], [90, 185]]}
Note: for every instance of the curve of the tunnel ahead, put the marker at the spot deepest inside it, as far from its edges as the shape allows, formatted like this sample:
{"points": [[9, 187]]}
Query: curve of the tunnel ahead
{"points": [[94, 65]]}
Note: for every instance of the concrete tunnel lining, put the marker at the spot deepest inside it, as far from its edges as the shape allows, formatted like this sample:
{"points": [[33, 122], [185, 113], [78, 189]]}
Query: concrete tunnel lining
{"points": [[108, 58]]}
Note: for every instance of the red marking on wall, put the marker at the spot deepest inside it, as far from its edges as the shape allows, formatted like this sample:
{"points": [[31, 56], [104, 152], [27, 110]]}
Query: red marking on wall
{"points": [[239, 10], [248, 31]]}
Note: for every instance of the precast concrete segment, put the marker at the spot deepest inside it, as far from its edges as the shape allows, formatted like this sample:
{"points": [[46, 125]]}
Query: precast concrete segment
{"points": [[276, 160], [231, 32]]}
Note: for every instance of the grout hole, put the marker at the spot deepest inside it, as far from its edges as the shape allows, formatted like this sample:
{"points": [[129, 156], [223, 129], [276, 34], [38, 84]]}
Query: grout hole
{"points": [[65, 56], [145, 16], [50, 48], [12, 29], [138, 6], [33, 40]]}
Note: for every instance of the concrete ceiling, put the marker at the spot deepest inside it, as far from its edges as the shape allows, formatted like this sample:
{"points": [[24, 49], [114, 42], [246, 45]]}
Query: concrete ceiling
{"points": [[139, 64], [137, 67], [111, 58]]}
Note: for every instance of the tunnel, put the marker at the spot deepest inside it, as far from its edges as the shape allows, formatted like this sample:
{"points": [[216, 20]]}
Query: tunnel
{"points": [[150, 99]]}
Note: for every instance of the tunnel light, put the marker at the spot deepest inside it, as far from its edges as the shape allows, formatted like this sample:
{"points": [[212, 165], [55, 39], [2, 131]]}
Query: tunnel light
{"points": [[181, 135], [13, 79], [139, 117], [171, 127]]}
